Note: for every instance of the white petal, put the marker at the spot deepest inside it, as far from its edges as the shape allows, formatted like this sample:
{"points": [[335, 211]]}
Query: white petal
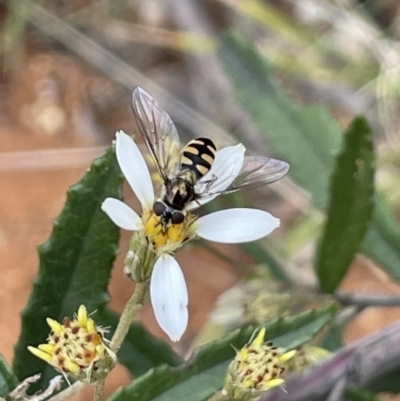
{"points": [[169, 296], [236, 225], [227, 165], [122, 215], [134, 168]]}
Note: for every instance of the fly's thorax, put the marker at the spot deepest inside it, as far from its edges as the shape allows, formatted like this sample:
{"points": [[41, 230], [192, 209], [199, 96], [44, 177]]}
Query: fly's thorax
{"points": [[179, 191]]}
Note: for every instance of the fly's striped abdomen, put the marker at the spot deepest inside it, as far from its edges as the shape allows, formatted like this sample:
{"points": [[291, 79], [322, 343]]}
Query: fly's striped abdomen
{"points": [[198, 156]]}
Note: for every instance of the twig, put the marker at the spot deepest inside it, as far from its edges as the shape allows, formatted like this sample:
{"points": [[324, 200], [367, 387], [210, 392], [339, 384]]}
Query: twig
{"points": [[55, 384], [19, 393], [365, 300], [20, 390], [99, 391]]}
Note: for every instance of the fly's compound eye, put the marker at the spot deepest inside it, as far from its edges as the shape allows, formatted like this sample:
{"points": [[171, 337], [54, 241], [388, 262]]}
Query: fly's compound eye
{"points": [[159, 208], [177, 218]]}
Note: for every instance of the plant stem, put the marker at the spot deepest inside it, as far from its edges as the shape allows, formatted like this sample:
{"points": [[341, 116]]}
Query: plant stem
{"points": [[133, 306], [99, 391]]}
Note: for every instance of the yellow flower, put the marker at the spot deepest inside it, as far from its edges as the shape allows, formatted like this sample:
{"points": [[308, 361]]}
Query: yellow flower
{"points": [[77, 347], [256, 368]]}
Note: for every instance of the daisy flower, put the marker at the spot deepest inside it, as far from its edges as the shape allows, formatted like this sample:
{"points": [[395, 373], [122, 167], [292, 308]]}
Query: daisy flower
{"points": [[151, 248]]}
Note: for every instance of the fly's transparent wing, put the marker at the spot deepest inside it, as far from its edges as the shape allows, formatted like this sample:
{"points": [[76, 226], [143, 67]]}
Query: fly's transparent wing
{"points": [[255, 172], [258, 171], [158, 131]]}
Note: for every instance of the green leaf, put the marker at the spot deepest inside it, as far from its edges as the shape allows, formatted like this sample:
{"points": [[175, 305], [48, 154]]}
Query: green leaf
{"points": [[387, 383], [350, 208], [306, 137], [204, 373], [333, 340], [360, 395], [140, 351], [8, 380], [75, 263], [382, 241], [263, 256]]}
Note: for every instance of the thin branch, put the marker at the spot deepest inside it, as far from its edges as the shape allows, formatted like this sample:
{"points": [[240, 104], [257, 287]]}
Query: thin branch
{"points": [[99, 391], [19, 393], [366, 300], [55, 384]]}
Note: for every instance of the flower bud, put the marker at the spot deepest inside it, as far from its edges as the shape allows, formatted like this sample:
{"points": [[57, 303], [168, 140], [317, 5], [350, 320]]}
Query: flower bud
{"points": [[307, 357], [257, 367]]}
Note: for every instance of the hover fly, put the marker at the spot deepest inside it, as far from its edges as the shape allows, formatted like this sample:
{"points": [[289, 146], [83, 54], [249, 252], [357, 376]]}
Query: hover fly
{"points": [[184, 172]]}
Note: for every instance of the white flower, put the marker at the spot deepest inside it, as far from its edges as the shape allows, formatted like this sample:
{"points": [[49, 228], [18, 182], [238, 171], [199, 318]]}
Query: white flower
{"points": [[168, 290]]}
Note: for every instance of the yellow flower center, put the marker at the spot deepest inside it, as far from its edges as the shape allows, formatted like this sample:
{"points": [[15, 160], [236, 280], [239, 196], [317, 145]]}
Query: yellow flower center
{"points": [[155, 239], [160, 235]]}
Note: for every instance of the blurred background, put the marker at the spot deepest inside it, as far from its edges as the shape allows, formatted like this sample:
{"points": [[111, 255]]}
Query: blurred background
{"points": [[68, 69]]}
